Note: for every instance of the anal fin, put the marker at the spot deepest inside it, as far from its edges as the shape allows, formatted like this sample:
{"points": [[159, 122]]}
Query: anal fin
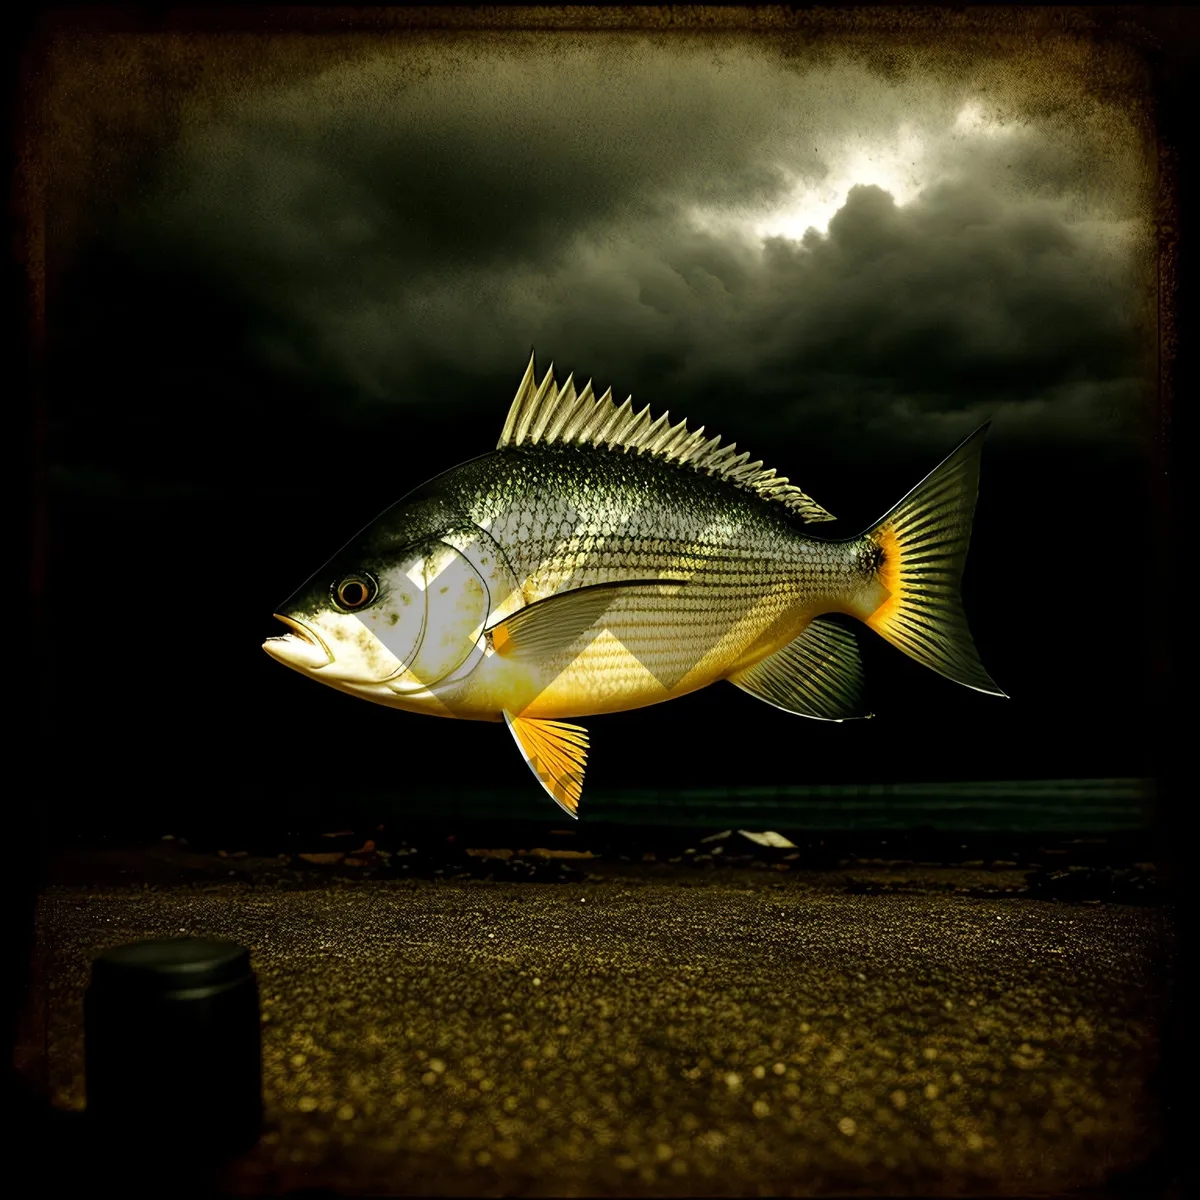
{"points": [[556, 753], [818, 674]]}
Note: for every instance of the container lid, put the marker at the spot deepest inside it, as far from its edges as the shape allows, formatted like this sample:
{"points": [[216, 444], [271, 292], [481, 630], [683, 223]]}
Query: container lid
{"points": [[171, 964]]}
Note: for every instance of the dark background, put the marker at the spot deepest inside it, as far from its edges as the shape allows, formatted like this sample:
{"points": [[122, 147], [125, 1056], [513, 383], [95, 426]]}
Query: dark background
{"points": [[196, 472], [172, 507]]}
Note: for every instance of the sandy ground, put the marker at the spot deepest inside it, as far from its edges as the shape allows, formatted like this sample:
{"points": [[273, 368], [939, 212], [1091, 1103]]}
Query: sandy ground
{"points": [[653, 1031]]}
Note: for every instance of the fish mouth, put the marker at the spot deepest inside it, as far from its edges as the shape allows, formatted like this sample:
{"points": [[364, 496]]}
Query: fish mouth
{"points": [[302, 647]]}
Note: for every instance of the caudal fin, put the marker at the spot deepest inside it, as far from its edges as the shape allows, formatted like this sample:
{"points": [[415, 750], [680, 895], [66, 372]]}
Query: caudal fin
{"points": [[923, 548]]}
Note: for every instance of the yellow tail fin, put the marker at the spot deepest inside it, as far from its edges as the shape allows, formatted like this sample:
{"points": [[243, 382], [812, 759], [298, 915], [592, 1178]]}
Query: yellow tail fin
{"points": [[923, 545]]}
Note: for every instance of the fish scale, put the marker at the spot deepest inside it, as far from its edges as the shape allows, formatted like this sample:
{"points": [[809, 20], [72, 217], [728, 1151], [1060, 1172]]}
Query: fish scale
{"points": [[636, 519], [568, 517], [657, 649], [599, 560]]}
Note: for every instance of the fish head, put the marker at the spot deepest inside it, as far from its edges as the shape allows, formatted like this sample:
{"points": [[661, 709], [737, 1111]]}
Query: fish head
{"points": [[383, 619]]}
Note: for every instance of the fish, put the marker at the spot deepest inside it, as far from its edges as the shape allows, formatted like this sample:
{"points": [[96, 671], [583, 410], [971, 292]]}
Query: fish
{"points": [[599, 560]]}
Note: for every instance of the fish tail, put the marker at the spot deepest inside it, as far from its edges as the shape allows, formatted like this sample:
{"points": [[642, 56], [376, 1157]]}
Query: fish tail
{"points": [[918, 551]]}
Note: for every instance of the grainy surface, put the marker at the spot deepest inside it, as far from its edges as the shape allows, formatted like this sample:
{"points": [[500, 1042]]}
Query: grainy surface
{"points": [[652, 1033]]}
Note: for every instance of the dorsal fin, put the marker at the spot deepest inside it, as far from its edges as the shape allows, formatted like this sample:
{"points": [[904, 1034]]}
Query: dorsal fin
{"points": [[542, 413]]}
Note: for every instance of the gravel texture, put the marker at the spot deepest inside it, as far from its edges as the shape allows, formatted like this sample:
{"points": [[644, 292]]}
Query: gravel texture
{"points": [[655, 1030]]}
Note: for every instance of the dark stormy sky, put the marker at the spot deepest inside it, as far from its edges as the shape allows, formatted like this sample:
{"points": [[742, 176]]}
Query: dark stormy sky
{"points": [[279, 300]]}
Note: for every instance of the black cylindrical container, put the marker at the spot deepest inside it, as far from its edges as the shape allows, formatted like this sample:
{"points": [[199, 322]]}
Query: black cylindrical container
{"points": [[173, 1048]]}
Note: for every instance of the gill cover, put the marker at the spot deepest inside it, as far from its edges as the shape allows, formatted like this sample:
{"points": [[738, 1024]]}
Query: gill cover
{"points": [[466, 585]]}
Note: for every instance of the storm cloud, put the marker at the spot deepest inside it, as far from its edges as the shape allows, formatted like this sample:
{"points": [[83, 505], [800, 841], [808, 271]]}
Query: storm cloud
{"points": [[821, 248], [290, 277]]}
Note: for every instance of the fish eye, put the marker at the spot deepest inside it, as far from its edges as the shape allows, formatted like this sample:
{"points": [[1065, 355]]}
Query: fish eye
{"points": [[352, 592]]}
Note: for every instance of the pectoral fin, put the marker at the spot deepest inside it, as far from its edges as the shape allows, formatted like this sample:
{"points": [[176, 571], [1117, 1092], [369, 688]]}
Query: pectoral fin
{"points": [[556, 753], [547, 626], [818, 674]]}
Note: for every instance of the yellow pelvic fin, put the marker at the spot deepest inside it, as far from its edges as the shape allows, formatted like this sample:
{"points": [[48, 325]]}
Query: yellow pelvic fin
{"points": [[556, 753]]}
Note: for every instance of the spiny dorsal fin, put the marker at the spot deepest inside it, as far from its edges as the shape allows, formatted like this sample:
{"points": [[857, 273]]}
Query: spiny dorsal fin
{"points": [[544, 413]]}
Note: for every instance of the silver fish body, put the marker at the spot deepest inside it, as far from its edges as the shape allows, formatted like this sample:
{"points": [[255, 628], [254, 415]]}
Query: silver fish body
{"points": [[599, 561], [742, 578]]}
